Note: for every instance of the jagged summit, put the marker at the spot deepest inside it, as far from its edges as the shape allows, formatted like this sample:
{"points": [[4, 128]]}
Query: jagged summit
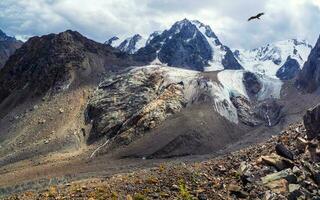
{"points": [[129, 45], [188, 44]]}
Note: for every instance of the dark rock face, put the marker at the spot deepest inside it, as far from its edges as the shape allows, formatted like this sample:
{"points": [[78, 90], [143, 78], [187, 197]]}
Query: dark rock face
{"points": [[251, 83], [269, 111], [184, 45], [8, 46], [53, 62], [311, 122], [289, 69], [309, 78]]}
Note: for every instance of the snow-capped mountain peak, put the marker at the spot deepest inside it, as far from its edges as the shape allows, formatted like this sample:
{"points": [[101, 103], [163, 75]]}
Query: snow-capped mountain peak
{"points": [[281, 59], [188, 44], [129, 45]]}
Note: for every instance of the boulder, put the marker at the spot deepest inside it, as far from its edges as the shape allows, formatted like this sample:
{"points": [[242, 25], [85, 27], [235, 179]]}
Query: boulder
{"points": [[278, 162], [276, 176], [311, 121], [278, 186], [283, 151]]}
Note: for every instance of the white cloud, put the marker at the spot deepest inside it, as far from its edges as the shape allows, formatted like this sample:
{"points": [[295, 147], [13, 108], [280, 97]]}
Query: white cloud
{"points": [[101, 19]]}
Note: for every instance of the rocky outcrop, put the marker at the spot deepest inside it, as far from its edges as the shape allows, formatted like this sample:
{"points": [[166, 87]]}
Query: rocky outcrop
{"points": [[309, 78], [56, 61], [246, 111], [128, 105], [289, 69], [269, 111], [311, 122], [252, 84], [8, 45]]}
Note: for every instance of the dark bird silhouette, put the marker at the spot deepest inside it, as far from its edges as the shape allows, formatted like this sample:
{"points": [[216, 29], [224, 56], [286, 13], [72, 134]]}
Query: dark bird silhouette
{"points": [[256, 17]]}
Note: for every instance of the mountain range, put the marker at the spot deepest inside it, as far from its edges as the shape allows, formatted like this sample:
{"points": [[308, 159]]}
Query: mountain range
{"points": [[66, 100]]}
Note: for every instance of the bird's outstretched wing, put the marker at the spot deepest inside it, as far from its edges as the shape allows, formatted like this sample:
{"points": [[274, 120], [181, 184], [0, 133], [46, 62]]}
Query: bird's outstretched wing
{"points": [[256, 17], [251, 18], [259, 15]]}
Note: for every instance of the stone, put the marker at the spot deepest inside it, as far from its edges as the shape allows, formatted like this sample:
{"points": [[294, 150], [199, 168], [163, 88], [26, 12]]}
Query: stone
{"points": [[279, 162], [276, 176], [311, 121], [278, 186], [293, 187], [283, 151], [237, 191]]}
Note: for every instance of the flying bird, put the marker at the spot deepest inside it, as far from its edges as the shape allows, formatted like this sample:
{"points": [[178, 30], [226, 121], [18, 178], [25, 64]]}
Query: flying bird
{"points": [[256, 17]]}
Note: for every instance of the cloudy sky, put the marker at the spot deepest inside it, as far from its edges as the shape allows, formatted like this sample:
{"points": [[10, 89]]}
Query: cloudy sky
{"points": [[101, 19]]}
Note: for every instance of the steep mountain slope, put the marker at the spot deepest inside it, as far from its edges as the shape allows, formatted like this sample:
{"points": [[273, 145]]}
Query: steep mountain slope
{"points": [[282, 59], [309, 77], [44, 90], [188, 44], [130, 45], [8, 46]]}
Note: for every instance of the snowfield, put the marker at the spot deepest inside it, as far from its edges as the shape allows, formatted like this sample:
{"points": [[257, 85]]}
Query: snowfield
{"points": [[268, 59]]}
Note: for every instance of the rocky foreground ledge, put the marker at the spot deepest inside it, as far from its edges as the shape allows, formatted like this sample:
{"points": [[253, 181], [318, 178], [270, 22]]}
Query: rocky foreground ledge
{"points": [[285, 167]]}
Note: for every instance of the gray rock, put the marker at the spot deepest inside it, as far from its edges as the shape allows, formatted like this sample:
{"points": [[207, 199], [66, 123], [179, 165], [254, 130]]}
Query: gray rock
{"points": [[311, 121], [289, 69]]}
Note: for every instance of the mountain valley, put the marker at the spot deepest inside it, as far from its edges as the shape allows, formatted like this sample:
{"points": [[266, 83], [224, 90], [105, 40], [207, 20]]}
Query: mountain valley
{"points": [[74, 109]]}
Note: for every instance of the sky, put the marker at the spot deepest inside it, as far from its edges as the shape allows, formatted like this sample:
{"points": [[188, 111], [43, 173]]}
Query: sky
{"points": [[102, 19]]}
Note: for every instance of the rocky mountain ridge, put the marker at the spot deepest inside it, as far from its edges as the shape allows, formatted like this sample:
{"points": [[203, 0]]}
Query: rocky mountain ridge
{"points": [[8, 46], [187, 44]]}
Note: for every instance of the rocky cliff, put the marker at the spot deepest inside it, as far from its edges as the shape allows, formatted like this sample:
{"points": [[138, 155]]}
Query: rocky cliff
{"points": [[309, 78]]}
